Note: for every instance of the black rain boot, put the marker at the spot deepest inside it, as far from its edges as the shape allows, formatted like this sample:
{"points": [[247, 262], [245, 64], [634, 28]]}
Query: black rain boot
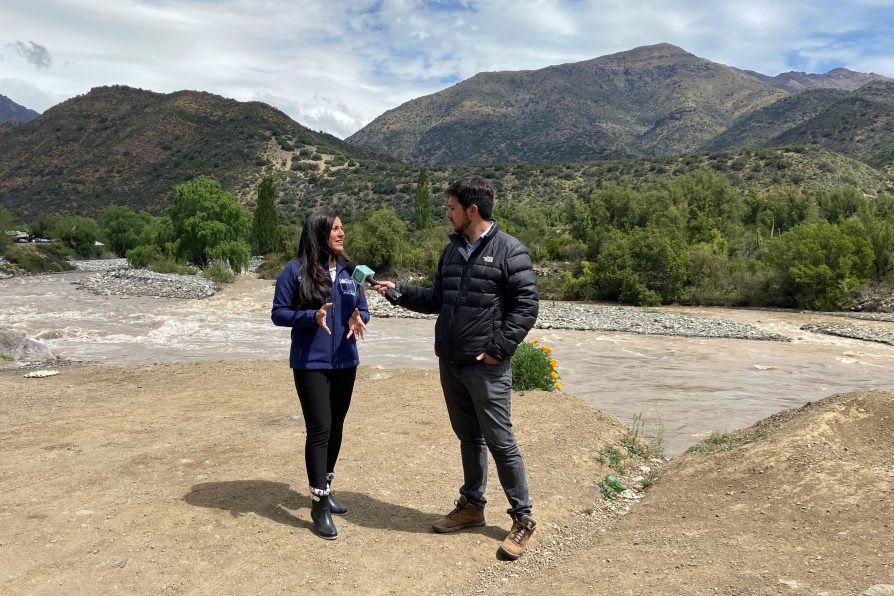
{"points": [[322, 518], [334, 506]]}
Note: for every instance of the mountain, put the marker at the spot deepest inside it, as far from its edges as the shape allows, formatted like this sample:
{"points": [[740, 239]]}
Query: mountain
{"points": [[857, 123], [10, 111], [130, 146], [652, 100], [649, 101], [837, 78], [125, 146]]}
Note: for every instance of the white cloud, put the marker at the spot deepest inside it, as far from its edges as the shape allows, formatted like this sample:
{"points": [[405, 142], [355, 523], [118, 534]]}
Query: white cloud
{"points": [[337, 65]]}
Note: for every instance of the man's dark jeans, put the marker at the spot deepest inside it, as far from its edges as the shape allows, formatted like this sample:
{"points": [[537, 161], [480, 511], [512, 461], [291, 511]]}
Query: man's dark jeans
{"points": [[478, 397]]}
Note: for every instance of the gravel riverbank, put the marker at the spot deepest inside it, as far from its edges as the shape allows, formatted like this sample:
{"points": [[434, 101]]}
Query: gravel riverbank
{"points": [[876, 334], [557, 315], [141, 282]]}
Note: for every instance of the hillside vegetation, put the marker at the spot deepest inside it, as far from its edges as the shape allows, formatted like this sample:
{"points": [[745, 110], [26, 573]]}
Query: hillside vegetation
{"points": [[133, 147]]}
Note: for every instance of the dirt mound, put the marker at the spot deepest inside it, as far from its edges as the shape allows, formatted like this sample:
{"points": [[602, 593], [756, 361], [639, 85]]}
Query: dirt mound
{"points": [[800, 503]]}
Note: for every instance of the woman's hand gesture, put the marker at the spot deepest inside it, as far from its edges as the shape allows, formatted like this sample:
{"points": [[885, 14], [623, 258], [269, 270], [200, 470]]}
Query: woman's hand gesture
{"points": [[356, 326], [320, 317]]}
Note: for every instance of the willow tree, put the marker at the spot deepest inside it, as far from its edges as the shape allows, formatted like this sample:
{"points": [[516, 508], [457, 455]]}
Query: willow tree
{"points": [[209, 224]]}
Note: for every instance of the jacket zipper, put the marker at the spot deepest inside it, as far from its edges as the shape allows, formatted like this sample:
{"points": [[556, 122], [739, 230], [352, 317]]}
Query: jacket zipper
{"points": [[335, 309]]}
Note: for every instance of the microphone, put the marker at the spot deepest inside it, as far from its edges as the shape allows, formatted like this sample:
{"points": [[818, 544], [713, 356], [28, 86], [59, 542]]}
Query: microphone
{"points": [[363, 274]]}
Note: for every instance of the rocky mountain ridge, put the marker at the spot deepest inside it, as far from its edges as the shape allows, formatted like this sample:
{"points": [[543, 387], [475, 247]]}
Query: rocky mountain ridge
{"points": [[10, 111], [649, 101]]}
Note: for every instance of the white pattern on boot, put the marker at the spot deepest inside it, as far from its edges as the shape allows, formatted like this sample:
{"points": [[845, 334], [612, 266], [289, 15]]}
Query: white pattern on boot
{"points": [[315, 493]]}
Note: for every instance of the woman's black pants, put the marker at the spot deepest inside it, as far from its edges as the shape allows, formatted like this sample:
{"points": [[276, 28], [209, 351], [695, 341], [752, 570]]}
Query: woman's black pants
{"points": [[325, 397]]}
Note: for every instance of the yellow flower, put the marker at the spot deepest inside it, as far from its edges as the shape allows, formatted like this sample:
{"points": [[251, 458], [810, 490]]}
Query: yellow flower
{"points": [[554, 363], [548, 350], [559, 386], [554, 375], [534, 342]]}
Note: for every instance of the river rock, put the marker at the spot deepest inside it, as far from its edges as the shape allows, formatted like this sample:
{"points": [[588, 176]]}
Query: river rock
{"points": [[879, 590], [20, 347]]}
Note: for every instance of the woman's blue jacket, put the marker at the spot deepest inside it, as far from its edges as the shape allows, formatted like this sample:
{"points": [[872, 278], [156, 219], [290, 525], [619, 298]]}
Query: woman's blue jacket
{"points": [[312, 347]]}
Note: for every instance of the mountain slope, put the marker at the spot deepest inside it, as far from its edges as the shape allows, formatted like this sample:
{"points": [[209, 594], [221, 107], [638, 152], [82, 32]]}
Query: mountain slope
{"points": [[762, 126], [648, 101], [130, 146], [857, 126], [10, 111], [857, 123]]}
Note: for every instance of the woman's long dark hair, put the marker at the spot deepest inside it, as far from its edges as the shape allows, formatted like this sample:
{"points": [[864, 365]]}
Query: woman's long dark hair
{"points": [[313, 256]]}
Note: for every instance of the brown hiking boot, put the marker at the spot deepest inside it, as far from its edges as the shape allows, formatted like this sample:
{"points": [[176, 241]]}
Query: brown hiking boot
{"points": [[515, 543], [464, 515]]}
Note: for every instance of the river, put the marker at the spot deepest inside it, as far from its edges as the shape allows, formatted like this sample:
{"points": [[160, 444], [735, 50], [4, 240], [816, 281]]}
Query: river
{"points": [[689, 387]]}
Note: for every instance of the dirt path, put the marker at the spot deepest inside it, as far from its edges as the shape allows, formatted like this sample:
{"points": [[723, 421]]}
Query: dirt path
{"points": [[189, 478]]}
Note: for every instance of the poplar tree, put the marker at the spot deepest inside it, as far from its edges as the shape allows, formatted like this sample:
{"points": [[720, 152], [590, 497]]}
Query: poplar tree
{"points": [[263, 225], [422, 202]]}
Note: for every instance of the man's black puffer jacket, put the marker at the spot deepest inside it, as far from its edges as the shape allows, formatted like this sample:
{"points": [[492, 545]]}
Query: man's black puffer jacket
{"points": [[486, 304]]}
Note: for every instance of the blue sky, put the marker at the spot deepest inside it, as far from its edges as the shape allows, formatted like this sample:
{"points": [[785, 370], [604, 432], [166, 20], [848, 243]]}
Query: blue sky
{"points": [[335, 66]]}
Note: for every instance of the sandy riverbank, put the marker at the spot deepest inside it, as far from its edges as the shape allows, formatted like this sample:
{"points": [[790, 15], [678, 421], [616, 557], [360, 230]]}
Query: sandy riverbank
{"points": [[188, 478]]}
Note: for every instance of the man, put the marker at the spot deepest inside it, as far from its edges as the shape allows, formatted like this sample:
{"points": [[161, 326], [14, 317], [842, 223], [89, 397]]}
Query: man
{"points": [[487, 301]]}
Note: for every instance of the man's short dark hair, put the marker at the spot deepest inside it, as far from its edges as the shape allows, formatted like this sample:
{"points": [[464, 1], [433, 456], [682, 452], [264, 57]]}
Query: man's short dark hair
{"points": [[473, 190]]}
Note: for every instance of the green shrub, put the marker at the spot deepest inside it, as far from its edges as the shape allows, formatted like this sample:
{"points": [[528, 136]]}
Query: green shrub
{"points": [[37, 259], [272, 266], [141, 256], [168, 265], [534, 368], [715, 442], [218, 273]]}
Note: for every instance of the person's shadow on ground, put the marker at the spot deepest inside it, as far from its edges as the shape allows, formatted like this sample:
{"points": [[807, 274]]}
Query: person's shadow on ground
{"points": [[277, 501]]}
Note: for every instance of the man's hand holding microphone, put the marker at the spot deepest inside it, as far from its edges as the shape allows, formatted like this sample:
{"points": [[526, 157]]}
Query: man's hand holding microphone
{"points": [[363, 274]]}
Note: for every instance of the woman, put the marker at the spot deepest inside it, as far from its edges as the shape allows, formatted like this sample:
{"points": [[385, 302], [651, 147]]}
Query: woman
{"points": [[327, 312]]}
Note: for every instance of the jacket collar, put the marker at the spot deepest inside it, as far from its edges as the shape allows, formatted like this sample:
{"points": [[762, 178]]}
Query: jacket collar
{"points": [[459, 239]]}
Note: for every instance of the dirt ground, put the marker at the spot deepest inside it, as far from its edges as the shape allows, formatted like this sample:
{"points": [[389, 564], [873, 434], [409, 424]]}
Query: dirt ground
{"points": [[189, 478]]}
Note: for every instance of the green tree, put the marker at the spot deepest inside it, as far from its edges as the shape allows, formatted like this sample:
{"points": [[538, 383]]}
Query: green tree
{"points": [[770, 214], [578, 219], [816, 265], [646, 266], [121, 227], [710, 203], [155, 244], [378, 241], [77, 232], [264, 221], [710, 276], [422, 201], [840, 204], [287, 236], [41, 227], [617, 206], [209, 224], [878, 220], [7, 224]]}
